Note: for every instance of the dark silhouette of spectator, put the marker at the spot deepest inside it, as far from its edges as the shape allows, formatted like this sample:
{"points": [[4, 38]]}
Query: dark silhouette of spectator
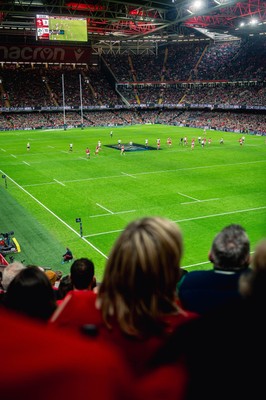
{"points": [[59, 275], [258, 265], [182, 274], [136, 306], [31, 293], [222, 351], [202, 291], [82, 274], [258, 260], [64, 287]]}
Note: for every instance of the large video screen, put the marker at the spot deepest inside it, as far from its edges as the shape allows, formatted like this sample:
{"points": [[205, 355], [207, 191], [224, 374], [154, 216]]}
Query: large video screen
{"points": [[58, 28]]}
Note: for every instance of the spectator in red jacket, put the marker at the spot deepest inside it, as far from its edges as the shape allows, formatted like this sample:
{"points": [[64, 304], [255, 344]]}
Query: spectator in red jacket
{"points": [[42, 364], [136, 306]]}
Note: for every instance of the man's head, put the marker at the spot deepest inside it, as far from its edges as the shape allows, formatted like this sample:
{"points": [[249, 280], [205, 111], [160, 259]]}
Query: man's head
{"points": [[10, 272], [82, 274], [231, 249]]}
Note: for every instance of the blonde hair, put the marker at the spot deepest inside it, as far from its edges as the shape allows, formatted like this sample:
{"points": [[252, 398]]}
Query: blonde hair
{"points": [[141, 274]]}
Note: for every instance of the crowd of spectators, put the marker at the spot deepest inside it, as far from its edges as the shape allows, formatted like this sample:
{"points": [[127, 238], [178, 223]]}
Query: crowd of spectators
{"points": [[158, 331], [239, 60], [158, 78], [158, 82], [219, 120]]}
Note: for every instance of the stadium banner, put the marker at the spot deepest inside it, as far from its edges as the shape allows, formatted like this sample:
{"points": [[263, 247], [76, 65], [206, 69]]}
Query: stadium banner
{"points": [[133, 106], [44, 54]]}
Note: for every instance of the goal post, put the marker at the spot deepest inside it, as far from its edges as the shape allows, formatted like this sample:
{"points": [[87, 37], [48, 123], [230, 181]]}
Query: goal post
{"points": [[72, 122]]}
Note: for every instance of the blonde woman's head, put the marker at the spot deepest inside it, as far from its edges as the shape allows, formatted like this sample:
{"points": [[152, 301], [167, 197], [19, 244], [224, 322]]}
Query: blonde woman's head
{"points": [[141, 274]]}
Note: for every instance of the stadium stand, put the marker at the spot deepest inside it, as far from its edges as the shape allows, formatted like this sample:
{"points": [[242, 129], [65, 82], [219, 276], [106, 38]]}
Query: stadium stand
{"points": [[213, 87]]}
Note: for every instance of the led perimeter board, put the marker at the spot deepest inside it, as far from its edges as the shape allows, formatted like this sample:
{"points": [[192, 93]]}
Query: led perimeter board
{"points": [[58, 28]]}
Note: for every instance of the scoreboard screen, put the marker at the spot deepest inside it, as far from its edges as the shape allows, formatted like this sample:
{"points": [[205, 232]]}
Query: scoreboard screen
{"points": [[58, 28]]}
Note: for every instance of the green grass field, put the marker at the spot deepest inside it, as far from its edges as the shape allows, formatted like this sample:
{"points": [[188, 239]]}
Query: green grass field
{"points": [[202, 190]]}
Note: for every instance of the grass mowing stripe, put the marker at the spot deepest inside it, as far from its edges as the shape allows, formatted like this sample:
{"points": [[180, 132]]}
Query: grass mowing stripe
{"points": [[38, 245], [51, 212]]}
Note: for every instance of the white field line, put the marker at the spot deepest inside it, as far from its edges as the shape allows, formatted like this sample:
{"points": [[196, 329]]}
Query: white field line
{"points": [[195, 265], [200, 201], [12, 155], [154, 172], [80, 180], [131, 176], [103, 233], [3, 150], [191, 219], [40, 184], [220, 214], [113, 213], [185, 195], [52, 129], [60, 183], [104, 208], [25, 162], [56, 216], [83, 158]]}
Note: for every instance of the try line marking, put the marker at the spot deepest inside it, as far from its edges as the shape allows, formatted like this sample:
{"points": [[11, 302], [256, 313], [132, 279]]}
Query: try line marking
{"points": [[56, 216]]}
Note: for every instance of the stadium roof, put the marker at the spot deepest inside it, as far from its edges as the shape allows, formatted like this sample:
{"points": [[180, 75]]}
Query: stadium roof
{"points": [[138, 19]]}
